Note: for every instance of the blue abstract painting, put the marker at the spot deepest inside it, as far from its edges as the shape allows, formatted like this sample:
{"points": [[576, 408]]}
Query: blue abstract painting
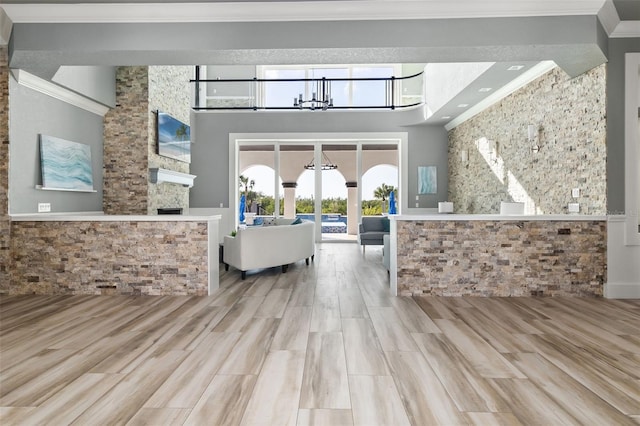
{"points": [[427, 180], [65, 164], [174, 138]]}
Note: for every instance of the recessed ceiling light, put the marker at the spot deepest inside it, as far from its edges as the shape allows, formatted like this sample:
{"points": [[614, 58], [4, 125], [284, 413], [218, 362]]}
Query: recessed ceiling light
{"points": [[446, 117], [485, 89], [515, 67], [463, 105]]}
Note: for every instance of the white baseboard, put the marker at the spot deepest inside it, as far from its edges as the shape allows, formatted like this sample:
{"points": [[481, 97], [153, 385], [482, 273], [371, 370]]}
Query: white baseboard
{"points": [[622, 290]]}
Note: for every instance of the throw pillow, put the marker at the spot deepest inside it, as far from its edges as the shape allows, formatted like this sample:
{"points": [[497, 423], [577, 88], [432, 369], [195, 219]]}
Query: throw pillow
{"points": [[297, 221], [386, 226]]}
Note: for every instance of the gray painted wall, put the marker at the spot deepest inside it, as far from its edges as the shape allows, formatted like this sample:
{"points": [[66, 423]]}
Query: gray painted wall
{"points": [[97, 83], [427, 145], [32, 114], [615, 121]]}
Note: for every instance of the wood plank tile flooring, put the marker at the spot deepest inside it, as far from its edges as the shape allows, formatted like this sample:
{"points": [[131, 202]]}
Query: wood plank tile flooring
{"points": [[323, 344]]}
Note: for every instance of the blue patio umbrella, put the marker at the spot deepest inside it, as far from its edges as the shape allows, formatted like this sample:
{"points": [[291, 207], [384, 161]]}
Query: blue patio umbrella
{"points": [[392, 202], [242, 207]]}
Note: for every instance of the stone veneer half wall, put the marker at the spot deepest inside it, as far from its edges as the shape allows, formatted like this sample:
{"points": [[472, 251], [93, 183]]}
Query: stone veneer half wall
{"points": [[570, 117], [5, 224], [103, 257], [502, 258]]}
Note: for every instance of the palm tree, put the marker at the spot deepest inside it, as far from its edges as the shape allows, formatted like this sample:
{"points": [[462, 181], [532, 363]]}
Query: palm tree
{"points": [[181, 132], [382, 193], [246, 186]]}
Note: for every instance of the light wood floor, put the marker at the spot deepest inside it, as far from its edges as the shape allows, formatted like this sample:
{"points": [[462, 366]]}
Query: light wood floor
{"points": [[321, 344]]}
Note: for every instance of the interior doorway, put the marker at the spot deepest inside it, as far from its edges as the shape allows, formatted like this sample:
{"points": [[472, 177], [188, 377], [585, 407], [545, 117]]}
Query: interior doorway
{"points": [[317, 179]]}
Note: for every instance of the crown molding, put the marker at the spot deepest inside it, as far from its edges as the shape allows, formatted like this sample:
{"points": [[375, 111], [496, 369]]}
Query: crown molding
{"points": [[295, 11], [524, 79], [58, 92], [608, 16], [626, 29], [5, 27]]}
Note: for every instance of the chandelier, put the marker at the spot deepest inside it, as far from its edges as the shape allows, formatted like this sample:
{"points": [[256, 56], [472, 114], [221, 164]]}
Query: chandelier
{"points": [[326, 164], [322, 102]]}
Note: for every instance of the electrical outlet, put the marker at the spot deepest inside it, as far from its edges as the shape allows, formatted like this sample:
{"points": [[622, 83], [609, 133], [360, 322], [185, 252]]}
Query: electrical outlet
{"points": [[575, 192], [417, 204], [574, 207], [44, 207]]}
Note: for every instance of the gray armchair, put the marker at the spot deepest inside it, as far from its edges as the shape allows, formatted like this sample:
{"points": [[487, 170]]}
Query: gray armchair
{"points": [[371, 231]]}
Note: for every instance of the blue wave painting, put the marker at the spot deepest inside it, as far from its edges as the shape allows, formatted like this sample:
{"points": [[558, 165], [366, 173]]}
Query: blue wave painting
{"points": [[174, 138], [427, 180], [65, 164]]}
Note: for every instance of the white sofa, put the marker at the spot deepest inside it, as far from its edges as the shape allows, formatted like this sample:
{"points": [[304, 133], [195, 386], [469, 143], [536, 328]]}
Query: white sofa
{"points": [[267, 246]]}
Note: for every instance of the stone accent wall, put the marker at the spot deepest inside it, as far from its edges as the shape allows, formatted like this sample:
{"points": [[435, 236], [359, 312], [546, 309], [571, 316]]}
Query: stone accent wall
{"points": [[5, 224], [126, 135], [170, 92], [570, 114], [130, 139], [501, 258], [149, 258]]}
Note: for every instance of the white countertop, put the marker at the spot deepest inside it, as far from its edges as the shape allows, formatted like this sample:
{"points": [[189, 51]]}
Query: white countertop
{"points": [[497, 217], [99, 217]]}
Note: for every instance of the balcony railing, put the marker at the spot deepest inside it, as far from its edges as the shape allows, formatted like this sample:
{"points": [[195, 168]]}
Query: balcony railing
{"points": [[306, 93]]}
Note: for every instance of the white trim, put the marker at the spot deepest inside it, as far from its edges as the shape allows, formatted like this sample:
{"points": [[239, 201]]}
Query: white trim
{"points": [[608, 16], [622, 290], [213, 264], [632, 147], [626, 29], [99, 217], [58, 92], [158, 176], [499, 217], [519, 82], [393, 257], [296, 11], [46, 188], [5, 28]]}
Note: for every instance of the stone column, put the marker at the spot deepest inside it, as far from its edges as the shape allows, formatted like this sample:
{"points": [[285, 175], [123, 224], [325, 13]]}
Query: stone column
{"points": [[289, 199], [352, 206], [126, 139]]}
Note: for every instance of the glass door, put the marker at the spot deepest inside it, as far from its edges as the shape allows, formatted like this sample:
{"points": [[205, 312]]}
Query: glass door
{"points": [[379, 179], [338, 216]]}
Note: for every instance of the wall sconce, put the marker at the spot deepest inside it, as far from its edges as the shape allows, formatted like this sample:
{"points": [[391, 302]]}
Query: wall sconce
{"points": [[533, 136]]}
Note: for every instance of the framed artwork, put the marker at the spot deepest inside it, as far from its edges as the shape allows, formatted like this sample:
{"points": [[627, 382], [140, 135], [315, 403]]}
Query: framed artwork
{"points": [[65, 165], [174, 138], [427, 180]]}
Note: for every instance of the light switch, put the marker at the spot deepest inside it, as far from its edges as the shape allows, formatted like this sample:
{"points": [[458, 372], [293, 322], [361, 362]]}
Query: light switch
{"points": [[575, 192], [417, 198]]}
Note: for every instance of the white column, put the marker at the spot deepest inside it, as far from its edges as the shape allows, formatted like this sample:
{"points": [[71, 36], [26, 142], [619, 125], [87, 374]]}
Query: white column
{"points": [[289, 199], [352, 208]]}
